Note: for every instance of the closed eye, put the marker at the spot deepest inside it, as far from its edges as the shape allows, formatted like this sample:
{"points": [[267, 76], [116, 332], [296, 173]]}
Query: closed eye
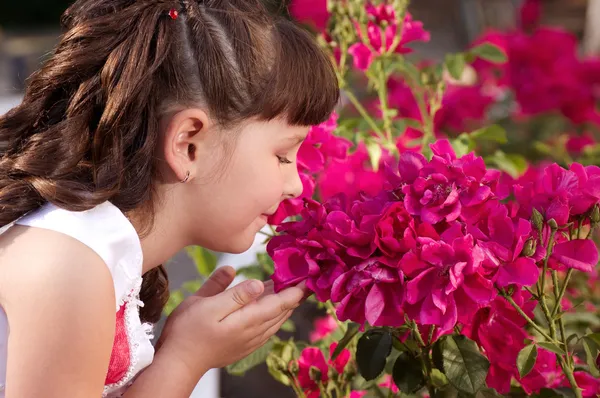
{"points": [[284, 160]]}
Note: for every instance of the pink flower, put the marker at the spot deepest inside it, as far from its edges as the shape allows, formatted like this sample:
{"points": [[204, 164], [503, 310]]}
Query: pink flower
{"points": [[401, 98], [445, 283], [589, 384], [578, 143], [545, 374], [394, 234], [502, 239], [381, 38], [580, 254], [371, 291], [352, 176], [463, 108], [544, 72], [312, 358], [357, 394], [388, 383], [339, 364], [445, 188], [313, 12], [323, 327], [531, 11], [499, 330]]}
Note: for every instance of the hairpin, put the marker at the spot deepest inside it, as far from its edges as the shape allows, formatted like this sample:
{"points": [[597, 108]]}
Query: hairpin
{"points": [[173, 13]]}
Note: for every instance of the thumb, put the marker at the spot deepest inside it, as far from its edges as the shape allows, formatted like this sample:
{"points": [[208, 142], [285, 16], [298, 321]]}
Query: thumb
{"points": [[218, 281], [237, 297]]}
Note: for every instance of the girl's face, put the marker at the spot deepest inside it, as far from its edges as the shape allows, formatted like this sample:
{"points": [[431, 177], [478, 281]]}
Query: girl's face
{"points": [[234, 188]]}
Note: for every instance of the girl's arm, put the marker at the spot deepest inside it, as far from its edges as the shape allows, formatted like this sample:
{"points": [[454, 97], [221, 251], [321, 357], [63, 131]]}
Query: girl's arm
{"points": [[167, 377], [59, 298]]}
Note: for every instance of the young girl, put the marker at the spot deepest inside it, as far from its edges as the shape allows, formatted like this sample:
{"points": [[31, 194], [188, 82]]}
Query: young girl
{"points": [[155, 124]]}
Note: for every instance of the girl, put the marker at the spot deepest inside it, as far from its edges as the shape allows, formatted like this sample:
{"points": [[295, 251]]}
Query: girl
{"points": [[154, 125]]}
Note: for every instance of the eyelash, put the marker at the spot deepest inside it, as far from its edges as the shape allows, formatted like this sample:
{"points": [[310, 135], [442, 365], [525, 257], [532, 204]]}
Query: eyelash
{"points": [[284, 160]]}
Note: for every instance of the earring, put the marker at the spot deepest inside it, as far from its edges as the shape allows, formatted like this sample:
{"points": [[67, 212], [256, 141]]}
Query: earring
{"points": [[187, 177]]}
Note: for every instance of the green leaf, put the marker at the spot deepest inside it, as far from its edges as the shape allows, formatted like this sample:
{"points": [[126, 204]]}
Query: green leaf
{"points": [[277, 374], [595, 337], [488, 393], [374, 150], [204, 260], [251, 272], [288, 326], [266, 262], [455, 63], [572, 337], [462, 362], [551, 347], [372, 351], [438, 379], [591, 353], [562, 392], [256, 358], [526, 359], [489, 52], [513, 164], [351, 331], [462, 145], [192, 286], [408, 374], [175, 298], [493, 133]]}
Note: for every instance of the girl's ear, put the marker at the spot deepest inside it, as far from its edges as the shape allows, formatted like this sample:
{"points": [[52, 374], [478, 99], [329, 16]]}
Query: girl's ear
{"points": [[185, 135]]}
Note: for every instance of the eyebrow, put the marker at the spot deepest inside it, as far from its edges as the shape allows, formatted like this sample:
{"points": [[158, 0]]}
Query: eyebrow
{"points": [[297, 138]]}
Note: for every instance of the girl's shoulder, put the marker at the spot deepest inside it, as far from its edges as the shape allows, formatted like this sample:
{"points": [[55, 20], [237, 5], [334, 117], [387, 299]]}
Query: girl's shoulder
{"points": [[57, 234]]}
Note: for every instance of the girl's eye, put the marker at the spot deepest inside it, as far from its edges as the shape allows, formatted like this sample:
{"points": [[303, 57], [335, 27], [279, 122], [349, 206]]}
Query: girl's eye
{"points": [[284, 160]]}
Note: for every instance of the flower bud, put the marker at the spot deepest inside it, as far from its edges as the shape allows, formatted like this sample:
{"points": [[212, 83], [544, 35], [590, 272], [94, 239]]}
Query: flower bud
{"points": [[537, 219], [529, 248], [315, 374], [552, 224], [293, 368], [595, 216]]}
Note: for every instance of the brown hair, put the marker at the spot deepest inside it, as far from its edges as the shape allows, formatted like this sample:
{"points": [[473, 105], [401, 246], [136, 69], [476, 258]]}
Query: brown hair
{"points": [[87, 128]]}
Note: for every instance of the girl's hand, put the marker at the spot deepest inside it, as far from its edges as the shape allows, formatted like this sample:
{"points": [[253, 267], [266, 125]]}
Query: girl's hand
{"points": [[216, 327]]}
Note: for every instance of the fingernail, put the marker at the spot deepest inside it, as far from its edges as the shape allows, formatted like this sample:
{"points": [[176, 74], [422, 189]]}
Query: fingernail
{"points": [[255, 287]]}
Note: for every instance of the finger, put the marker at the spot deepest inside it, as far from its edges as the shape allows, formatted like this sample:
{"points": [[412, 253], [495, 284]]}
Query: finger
{"points": [[217, 282], [267, 307], [269, 288], [274, 329], [268, 325], [235, 298]]}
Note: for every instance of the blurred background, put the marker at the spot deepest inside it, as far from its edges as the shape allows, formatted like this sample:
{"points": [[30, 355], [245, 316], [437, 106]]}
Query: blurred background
{"points": [[29, 31]]}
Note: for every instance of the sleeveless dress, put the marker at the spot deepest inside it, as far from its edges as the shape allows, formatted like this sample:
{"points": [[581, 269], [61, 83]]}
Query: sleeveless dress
{"points": [[107, 231]]}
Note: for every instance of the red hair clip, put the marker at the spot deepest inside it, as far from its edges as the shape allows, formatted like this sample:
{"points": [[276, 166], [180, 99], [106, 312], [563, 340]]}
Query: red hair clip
{"points": [[173, 13]]}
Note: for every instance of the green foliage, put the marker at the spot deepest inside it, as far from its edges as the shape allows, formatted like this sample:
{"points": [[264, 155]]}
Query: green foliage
{"points": [[372, 351], [526, 359], [462, 363]]}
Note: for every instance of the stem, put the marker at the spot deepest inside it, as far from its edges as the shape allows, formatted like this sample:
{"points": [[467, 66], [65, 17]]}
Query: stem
{"points": [[569, 373], [562, 292], [528, 319], [383, 100], [425, 360], [331, 310], [431, 332], [378, 391], [542, 299], [363, 113]]}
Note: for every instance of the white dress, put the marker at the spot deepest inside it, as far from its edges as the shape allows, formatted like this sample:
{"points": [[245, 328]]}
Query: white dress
{"points": [[107, 231]]}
